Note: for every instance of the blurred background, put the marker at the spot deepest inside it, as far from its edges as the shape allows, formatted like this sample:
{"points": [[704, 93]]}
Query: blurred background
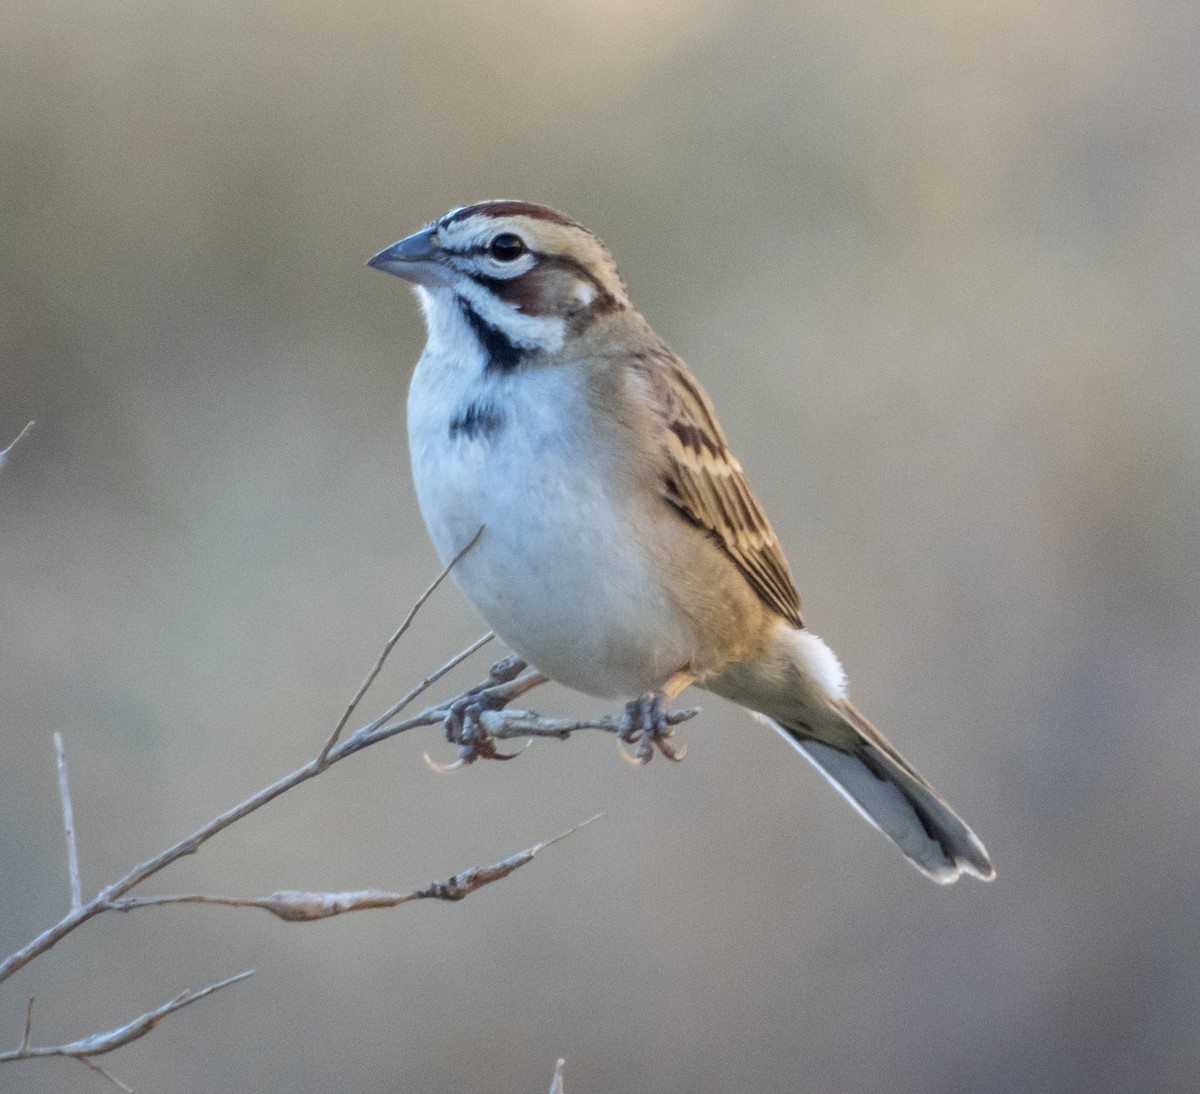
{"points": [[937, 266]]}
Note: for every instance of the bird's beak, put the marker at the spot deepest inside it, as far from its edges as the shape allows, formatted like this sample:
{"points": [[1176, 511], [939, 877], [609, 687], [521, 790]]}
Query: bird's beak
{"points": [[414, 258]]}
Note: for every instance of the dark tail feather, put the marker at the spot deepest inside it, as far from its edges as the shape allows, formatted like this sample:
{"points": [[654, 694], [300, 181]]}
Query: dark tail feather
{"points": [[890, 794]]}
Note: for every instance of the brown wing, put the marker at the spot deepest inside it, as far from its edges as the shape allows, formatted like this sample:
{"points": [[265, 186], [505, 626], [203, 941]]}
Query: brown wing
{"points": [[705, 483]]}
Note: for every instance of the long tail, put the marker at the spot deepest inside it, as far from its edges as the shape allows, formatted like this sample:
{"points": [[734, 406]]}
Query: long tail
{"points": [[864, 767]]}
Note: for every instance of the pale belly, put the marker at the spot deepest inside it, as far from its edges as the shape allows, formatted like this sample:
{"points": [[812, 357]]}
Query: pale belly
{"points": [[555, 572]]}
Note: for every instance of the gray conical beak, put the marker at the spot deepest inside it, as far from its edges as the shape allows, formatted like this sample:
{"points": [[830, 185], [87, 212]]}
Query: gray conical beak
{"points": [[414, 258]]}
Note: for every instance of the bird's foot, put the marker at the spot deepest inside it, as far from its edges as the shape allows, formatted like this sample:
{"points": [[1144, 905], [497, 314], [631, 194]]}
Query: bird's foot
{"points": [[646, 725], [463, 721]]}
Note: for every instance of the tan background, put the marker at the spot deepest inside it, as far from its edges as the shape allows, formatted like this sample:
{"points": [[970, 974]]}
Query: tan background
{"points": [[937, 265]]}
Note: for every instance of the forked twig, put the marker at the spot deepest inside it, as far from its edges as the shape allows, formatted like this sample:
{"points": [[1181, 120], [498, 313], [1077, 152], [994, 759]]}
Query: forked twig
{"points": [[389, 644], [484, 701], [426, 684], [99, 1043], [103, 900]]}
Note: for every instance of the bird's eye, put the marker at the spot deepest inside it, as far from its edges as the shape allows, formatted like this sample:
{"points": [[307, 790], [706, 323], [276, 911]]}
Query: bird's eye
{"points": [[507, 247]]}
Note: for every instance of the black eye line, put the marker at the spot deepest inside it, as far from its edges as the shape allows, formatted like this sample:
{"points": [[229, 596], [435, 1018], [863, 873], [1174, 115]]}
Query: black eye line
{"points": [[486, 249], [481, 250], [495, 284]]}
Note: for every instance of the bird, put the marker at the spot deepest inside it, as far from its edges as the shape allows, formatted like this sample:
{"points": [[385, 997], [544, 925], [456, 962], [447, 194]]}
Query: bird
{"points": [[623, 552]]}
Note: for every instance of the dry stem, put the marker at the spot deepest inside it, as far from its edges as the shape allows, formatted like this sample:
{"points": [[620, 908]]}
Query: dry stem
{"points": [[391, 642], [64, 793], [298, 907], [99, 1043], [14, 442], [482, 722], [524, 724]]}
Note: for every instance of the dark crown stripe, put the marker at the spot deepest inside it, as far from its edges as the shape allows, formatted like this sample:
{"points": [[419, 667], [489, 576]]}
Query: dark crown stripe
{"points": [[505, 208]]}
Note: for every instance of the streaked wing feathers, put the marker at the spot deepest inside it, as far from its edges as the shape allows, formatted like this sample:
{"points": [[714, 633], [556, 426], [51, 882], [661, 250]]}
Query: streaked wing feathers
{"points": [[704, 481]]}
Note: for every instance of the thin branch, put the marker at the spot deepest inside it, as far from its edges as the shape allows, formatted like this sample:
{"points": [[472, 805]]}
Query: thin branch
{"points": [[429, 681], [474, 718], [191, 844], [298, 907], [64, 792], [500, 724], [390, 643], [332, 752], [14, 442], [87, 1061], [28, 1025], [506, 724], [99, 1043]]}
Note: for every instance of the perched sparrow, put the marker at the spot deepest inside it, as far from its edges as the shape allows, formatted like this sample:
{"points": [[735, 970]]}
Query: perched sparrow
{"points": [[623, 552]]}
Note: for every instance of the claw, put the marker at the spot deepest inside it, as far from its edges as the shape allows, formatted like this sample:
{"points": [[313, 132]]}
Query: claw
{"points": [[669, 749], [496, 755], [444, 769], [634, 759], [672, 753]]}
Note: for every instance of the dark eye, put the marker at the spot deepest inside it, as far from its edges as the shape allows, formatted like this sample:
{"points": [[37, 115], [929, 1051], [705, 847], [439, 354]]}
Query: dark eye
{"points": [[507, 247]]}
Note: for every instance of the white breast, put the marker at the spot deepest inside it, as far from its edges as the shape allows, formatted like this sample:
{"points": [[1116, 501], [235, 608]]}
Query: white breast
{"points": [[555, 573]]}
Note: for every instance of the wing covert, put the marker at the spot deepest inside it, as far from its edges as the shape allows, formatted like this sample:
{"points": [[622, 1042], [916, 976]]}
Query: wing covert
{"points": [[703, 480]]}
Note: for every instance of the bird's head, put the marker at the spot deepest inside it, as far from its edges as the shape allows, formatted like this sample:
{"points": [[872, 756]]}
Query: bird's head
{"points": [[523, 272]]}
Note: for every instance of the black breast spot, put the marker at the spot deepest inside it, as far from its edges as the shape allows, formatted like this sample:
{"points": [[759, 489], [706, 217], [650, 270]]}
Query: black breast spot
{"points": [[479, 419]]}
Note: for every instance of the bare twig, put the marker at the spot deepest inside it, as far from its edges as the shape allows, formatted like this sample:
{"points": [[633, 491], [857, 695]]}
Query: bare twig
{"points": [[87, 1061], [64, 792], [476, 714], [14, 442], [429, 681], [496, 723], [330, 753], [103, 900], [302, 906], [389, 644], [506, 724], [28, 1025], [99, 1043]]}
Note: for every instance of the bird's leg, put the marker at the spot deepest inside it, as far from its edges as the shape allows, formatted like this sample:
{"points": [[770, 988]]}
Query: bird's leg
{"points": [[645, 722], [463, 725]]}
